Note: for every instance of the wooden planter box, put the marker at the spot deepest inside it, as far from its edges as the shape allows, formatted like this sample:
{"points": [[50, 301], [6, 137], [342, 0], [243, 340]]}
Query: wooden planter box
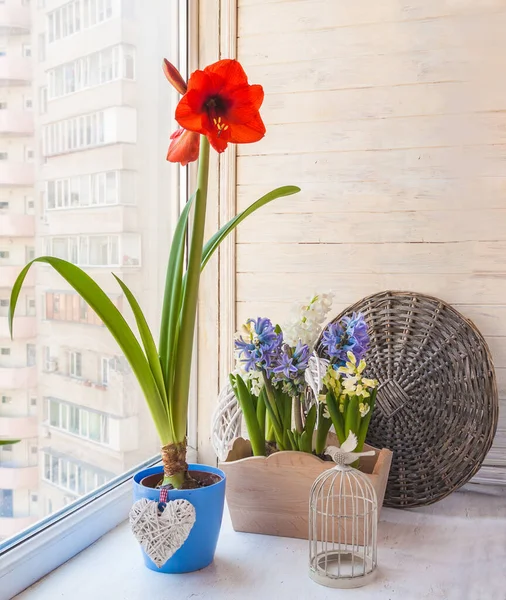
{"points": [[270, 495]]}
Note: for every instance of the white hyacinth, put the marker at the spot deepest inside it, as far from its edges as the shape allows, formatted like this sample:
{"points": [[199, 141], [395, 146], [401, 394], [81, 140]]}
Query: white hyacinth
{"points": [[307, 319], [255, 377]]}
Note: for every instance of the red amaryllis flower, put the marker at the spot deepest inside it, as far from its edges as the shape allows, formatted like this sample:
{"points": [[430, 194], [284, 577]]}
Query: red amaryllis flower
{"points": [[222, 105], [184, 147]]}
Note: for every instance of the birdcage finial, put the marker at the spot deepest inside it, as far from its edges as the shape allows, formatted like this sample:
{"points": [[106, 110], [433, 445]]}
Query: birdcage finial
{"points": [[345, 455]]}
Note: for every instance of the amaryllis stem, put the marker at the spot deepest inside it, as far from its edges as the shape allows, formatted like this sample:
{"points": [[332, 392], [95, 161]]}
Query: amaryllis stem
{"points": [[179, 400]]}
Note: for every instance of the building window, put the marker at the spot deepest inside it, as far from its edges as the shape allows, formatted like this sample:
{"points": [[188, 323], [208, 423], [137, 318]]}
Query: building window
{"points": [[110, 64], [3, 105], [104, 371], [4, 156], [68, 306], [30, 306], [31, 355], [97, 250], [4, 254], [29, 253], [95, 189], [4, 302], [7, 448], [33, 401], [29, 154], [43, 99], [77, 15], [6, 502], [76, 477], [75, 364], [27, 50], [29, 205], [74, 134], [28, 103], [5, 351], [6, 400], [42, 47], [71, 418]]}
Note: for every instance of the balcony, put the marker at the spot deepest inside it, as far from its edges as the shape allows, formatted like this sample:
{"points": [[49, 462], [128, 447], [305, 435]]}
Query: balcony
{"points": [[15, 378], [20, 427], [16, 122], [16, 478], [13, 225], [25, 328], [14, 18], [9, 273], [10, 526], [12, 174], [118, 396], [15, 70]]}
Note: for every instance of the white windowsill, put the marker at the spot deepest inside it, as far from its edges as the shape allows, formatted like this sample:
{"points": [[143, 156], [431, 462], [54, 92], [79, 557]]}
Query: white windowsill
{"points": [[453, 550]]}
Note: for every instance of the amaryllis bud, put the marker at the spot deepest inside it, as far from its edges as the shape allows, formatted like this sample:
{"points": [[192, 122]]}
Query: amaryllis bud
{"points": [[174, 77], [184, 147]]}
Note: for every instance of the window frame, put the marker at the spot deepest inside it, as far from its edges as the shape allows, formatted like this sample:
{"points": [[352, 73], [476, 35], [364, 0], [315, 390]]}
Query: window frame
{"points": [[40, 549]]}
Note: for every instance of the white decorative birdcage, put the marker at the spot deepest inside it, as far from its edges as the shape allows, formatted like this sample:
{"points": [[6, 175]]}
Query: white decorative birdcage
{"points": [[343, 517]]}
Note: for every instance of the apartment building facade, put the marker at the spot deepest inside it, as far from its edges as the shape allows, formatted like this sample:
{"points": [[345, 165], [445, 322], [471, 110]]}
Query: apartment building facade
{"points": [[100, 191], [18, 377]]}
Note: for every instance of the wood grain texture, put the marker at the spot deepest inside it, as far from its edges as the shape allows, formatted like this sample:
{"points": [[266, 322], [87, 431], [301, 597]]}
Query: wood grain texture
{"points": [[307, 15], [391, 117]]}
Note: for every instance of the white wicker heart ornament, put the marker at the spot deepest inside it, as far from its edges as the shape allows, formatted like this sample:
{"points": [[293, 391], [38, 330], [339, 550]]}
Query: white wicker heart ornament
{"points": [[161, 534]]}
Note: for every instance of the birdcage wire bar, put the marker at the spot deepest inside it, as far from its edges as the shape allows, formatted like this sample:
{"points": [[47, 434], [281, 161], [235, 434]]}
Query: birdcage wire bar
{"points": [[343, 516]]}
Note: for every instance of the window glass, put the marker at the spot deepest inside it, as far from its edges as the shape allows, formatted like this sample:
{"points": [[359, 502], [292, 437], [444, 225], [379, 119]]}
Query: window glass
{"points": [[86, 170]]}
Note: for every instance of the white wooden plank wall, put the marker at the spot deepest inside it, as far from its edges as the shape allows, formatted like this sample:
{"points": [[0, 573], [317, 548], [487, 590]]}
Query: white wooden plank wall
{"points": [[391, 116]]}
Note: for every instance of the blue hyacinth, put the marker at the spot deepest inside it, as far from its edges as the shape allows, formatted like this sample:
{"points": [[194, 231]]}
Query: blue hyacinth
{"points": [[259, 346], [290, 368], [350, 335]]}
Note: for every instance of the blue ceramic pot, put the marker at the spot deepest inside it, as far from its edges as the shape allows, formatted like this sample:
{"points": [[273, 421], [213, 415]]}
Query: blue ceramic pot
{"points": [[198, 550]]}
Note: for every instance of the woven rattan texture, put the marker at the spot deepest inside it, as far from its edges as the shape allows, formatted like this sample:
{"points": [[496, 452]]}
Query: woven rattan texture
{"points": [[437, 405]]}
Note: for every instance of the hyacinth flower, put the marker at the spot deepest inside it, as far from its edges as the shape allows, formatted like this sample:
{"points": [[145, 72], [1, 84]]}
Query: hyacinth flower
{"points": [[218, 106], [350, 399], [349, 335], [258, 349]]}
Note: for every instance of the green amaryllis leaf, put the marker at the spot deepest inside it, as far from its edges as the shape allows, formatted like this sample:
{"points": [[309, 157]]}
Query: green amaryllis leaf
{"points": [[147, 339], [8, 442], [173, 293], [220, 235], [98, 300]]}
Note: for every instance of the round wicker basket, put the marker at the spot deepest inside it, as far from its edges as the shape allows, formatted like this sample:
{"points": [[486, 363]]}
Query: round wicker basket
{"points": [[437, 405]]}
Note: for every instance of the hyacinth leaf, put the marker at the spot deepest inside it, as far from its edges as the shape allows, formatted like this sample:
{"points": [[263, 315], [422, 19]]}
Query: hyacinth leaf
{"points": [[364, 422], [352, 416], [8, 442], [309, 429], [261, 411], [324, 425], [173, 290], [147, 339], [335, 415], [98, 300], [220, 235], [244, 397], [293, 441]]}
